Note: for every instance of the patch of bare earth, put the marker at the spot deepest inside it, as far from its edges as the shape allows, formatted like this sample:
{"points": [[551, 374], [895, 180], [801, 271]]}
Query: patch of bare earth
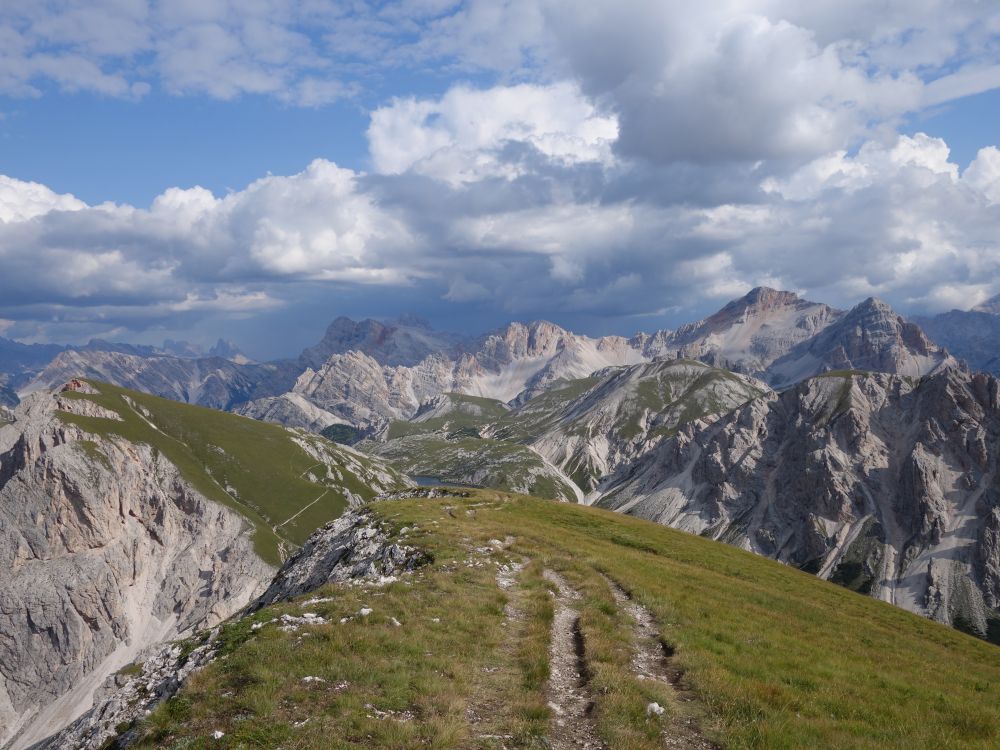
{"points": [[652, 660], [568, 694]]}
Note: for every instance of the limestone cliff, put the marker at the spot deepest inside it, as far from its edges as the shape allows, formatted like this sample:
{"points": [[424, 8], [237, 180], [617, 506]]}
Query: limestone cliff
{"points": [[105, 550], [883, 483]]}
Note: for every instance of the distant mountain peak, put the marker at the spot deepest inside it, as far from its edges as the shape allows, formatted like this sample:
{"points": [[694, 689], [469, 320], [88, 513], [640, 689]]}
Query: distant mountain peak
{"points": [[766, 296], [872, 305], [872, 337], [228, 350], [406, 341], [991, 306]]}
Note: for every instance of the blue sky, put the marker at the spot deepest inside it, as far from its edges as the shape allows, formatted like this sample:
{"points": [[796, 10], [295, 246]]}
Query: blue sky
{"points": [[627, 167]]}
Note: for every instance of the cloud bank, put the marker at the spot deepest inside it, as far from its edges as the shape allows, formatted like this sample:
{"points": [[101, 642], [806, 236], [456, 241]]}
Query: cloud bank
{"points": [[625, 162]]}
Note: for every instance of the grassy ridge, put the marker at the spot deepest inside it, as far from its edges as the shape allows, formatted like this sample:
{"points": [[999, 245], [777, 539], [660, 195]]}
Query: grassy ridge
{"points": [[777, 658], [466, 412], [543, 411], [498, 464], [254, 467]]}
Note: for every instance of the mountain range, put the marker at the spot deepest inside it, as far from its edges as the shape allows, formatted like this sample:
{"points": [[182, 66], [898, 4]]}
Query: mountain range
{"points": [[369, 373], [848, 444]]}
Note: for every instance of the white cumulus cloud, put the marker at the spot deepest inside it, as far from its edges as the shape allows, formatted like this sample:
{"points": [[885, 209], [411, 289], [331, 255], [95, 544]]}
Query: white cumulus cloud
{"points": [[460, 136]]}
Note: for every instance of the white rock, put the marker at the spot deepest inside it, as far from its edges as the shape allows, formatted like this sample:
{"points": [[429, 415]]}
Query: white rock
{"points": [[654, 708]]}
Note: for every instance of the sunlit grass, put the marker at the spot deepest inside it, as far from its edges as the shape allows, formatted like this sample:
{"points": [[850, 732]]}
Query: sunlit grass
{"points": [[776, 657], [254, 467]]}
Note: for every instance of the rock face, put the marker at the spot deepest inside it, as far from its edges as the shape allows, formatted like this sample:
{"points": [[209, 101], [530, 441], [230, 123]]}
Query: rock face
{"points": [[881, 482], [750, 333], [104, 551], [363, 390], [871, 337], [403, 342], [352, 547], [620, 414]]}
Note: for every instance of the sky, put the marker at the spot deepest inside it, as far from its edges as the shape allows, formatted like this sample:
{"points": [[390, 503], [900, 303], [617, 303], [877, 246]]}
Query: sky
{"points": [[251, 169]]}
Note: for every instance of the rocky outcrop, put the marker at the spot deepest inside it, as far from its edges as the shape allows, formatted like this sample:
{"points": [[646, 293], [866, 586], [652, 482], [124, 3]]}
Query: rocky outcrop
{"points": [[881, 482], [105, 550], [354, 546]]}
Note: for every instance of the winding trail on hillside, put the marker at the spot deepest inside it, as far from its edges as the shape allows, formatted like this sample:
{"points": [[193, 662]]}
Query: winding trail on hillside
{"points": [[301, 511], [652, 661], [568, 695]]}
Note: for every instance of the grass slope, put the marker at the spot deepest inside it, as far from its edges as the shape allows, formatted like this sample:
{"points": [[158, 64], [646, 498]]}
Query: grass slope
{"points": [[254, 467], [459, 412], [775, 657], [542, 412], [498, 464]]}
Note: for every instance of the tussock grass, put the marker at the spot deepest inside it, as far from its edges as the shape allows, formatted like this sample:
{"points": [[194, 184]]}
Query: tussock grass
{"points": [[776, 657]]}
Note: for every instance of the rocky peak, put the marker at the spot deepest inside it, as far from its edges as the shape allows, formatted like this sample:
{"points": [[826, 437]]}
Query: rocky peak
{"points": [[871, 337], [404, 342], [749, 333], [522, 340], [764, 297], [757, 302], [228, 350]]}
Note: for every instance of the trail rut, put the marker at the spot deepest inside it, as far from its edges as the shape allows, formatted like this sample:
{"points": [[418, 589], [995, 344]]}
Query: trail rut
{"points": [[652, 661], [568, 694]]}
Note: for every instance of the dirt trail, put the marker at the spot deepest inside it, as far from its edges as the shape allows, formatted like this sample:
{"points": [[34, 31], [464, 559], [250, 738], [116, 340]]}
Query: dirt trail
{"points": [[568, 696], [652, 661], [488, 711]]}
